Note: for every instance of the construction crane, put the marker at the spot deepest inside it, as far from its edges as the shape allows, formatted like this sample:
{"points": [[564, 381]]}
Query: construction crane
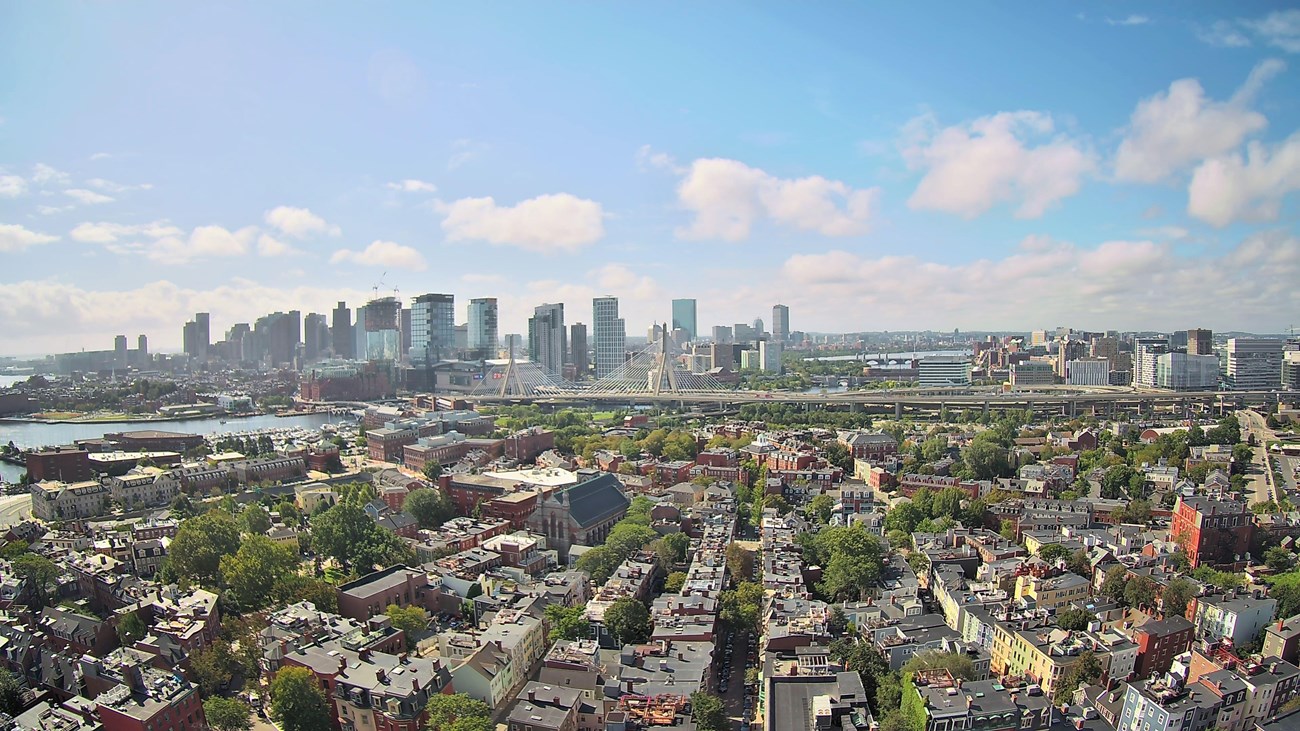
{"points": [[375, 287]]}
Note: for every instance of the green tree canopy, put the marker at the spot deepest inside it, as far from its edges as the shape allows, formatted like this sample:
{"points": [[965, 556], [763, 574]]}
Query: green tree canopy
{"points": [[447, 711], [11, 693], [675, 581], [960, 665], [1052, 552], [345, 533], [1174, 599], [1074, 619], [256, 520], [252, 573], [410, 620], [708, 712], [430, 507], [297, 702], [567, 623], [821, 507], [40, 573], [195, 553], [628, 620], [227, 714]]}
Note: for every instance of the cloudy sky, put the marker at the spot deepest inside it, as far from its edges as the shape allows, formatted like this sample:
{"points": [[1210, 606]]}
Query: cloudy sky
{"points": [[891, 166]]}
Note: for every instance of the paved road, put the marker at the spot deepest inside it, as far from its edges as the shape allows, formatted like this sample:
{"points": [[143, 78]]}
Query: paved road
{"points": [[1257, 478], [14, 509]]}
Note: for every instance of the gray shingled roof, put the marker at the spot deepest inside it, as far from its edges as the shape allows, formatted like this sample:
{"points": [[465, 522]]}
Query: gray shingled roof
{"points": [[596, 499]]}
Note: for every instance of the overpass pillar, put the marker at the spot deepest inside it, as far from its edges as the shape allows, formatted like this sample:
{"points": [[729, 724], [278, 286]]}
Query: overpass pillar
{"points": [[986, 407], [898, 409]]}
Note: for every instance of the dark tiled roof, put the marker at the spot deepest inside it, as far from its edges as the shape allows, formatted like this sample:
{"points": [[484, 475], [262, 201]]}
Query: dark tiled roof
{"points": [[596, 500]]}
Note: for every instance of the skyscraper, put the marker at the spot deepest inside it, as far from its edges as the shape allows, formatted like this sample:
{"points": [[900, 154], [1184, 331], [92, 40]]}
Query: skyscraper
{"points": [[578, 348], [345, 343], [1200, 342], [483, 327], [119, 352], [609, 335], [315, 337], [684, 317], [142, 344], [196, 337], [547, 338], [780, 323], [721, 334], [360, 338], [433, 328], [383, 329]]}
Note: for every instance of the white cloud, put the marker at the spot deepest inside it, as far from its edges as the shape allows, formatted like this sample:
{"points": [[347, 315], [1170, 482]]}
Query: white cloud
{"points": [[1114, 285], [729, 197], [382, 253], [204, 242], [1231, 188], [647, 158], [87, 197], [1130, 20], [547, 223], [108, 233], [1224, 34], [411, 185], [462, 151], [12, 186], [51, 210], [972, 167], [1280, 29], [268, 245], [112, 187], [299, 223], [16, 238], [100, 156], [43, 174], [1175, 129]]}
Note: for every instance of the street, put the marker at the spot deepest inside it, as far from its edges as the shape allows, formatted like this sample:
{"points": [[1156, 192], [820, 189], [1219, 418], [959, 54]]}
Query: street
{"points": [[733, 699], [14, 509], [1257, 477]]}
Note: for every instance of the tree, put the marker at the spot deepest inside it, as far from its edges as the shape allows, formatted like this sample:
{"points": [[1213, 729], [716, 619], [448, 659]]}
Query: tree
{"points": [[1081, 564], [628, 621], [1136, 511], [1174, 599], [11, 693], [1074, 619], [195, 553], [345, 533], [851, 559], [433, 470], [947, 503], [40, 574], [213, 667], [934, 448], [600, 563], [454, 711], [959, 664], [1053, 552], [708, 712], [410, 620], [1086, 670], [675, 581], [986, 460], [227, 714], [741, 608], [430, 507], [904, 517], [777, 503], [1115, 582], [294, 588], [1115, 482], [567, 623], [252, 573], [1279, 559], [672, 548], [821, 507], [131, 628], [740, 561], [1140, 592], [840, 456], [297, 702], [256, 520]]}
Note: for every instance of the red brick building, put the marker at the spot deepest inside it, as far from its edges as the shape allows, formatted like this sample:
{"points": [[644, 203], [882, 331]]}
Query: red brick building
{"points": [[911, 483], [371, 594], [871, 446], [525, 444], [385, 445], [1158, 642], [1213, 532], [65, 464]]}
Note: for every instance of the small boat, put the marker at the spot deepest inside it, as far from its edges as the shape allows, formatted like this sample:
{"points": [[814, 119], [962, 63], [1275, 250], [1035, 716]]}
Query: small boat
{"points": [[222, 421]]}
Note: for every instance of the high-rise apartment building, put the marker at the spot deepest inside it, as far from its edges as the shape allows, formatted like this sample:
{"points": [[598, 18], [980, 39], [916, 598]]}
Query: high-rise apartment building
{"points": [[483, 327], [315, 337], [119, 352], [345, 343], [275, 338], [684, 317], [1088, 372], [721, 334], [1291, 370], [360, 338], [1254, 364], [1145, 353], [780, 323], [383, 325], [1200, 342], [433, 328], [196, 337], [608, 335], [578, 347], [769, 356], [548, 338], [142, 345], [744, 333]]}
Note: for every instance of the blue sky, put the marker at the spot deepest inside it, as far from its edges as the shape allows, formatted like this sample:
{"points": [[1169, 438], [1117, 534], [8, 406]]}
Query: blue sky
{"points": [[882, 166]]}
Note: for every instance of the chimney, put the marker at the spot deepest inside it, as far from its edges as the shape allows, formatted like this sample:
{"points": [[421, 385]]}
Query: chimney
{"points": [[532, 696], [1279, 625], [415, 685], [379, 674], [364, 655], [343, 666]]}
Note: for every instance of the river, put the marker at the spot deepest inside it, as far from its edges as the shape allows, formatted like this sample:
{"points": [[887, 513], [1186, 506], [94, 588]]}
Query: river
{"points": [[25, 434]]}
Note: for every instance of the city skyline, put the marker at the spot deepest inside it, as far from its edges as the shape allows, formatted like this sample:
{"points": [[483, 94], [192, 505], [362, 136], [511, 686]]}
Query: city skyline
{"points": [[1137, 173]]}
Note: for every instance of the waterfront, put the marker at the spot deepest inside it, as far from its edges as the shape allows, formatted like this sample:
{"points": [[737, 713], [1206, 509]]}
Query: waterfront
{"points": [[901, 356], [30, 435]]}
